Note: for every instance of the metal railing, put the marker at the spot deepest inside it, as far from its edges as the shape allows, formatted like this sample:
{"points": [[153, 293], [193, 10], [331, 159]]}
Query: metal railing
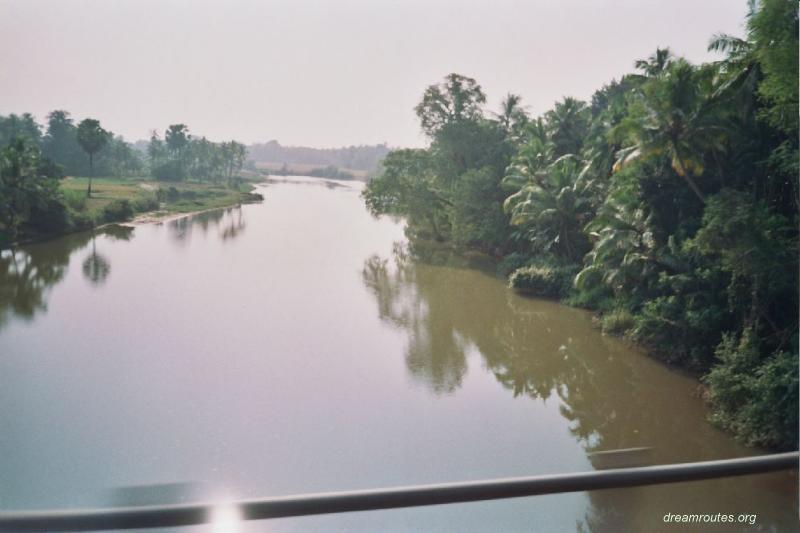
{"points": [[393, 498]]}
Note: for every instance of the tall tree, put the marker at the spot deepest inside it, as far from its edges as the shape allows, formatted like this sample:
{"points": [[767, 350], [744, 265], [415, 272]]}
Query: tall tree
{"points": [[567, 124], [512, 114], [458, 98], [60, 143], [92, 138], [675, 116]]}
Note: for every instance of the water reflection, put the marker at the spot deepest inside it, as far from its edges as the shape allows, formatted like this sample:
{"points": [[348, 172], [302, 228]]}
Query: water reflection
{"points": [[435, 350], [612, 397], [530, 349], [229, 223], [27, 275]]}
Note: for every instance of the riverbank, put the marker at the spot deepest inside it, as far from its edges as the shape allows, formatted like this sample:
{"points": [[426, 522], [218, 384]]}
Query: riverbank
{"points": [[132, 199]]}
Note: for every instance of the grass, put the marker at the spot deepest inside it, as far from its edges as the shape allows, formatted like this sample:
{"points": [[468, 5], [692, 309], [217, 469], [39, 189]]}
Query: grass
{"points": [[142, 195]]}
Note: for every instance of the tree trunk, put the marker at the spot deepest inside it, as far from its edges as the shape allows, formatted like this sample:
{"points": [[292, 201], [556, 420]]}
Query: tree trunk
{"points": [[91, 173], [695, 188]]}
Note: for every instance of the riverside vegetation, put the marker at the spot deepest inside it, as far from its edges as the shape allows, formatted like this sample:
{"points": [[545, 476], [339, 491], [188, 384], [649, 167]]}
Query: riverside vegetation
{"points": [[178, 174], [668, 203]]}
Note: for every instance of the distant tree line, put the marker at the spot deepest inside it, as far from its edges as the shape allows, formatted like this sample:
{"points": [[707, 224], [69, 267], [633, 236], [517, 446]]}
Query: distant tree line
{"points": [[34, 158], [179, 157], [330, 171], [365, 158], [668, 203]]}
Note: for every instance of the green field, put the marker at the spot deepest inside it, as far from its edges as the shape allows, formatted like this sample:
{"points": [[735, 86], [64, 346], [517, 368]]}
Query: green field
{"points": [[146, 196]]}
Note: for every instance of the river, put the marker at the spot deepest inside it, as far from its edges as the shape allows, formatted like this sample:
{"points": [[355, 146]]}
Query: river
{"points": [[299, 346]]}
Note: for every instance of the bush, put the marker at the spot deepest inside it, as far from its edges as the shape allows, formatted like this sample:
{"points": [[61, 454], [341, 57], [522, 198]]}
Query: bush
{"points": [[117, 211], [512, 262], [145, 203], [544, 276], [75, 200], [681, 329], [616, 322], [49, 215], [537, 281], [81, 220], [169, 171], [168, 195], [753, 396], [597, 297]]}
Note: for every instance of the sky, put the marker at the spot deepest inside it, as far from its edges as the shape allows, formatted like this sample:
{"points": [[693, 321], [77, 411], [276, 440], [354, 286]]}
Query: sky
{"points": [[324, 73]]}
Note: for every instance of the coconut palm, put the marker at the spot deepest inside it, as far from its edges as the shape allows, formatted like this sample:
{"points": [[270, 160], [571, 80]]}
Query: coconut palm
{"points": [[674, 116], [656, 64], [567, 124], [512, 115], [554, 206]]}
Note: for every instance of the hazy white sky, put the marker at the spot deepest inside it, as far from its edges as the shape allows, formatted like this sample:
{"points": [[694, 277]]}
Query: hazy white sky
{"points": [[324, 73]]}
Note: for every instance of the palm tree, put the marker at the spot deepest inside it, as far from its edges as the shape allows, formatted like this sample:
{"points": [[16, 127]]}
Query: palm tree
{"points": [[512, 113], [92, 139], [656, 64], [554, 206], [675, 117], [567, 124]]}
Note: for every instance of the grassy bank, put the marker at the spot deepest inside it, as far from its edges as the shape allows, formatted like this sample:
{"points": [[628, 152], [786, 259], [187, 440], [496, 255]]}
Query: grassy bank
{"points": [[123, 199], [117, 199]]}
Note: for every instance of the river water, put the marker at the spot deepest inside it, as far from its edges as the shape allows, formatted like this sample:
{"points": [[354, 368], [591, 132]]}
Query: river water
{"points": [[298, 346]]}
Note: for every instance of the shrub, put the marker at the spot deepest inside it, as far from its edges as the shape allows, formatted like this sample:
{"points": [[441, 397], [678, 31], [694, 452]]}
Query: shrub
{"points": [[75, 200], [753, 396], [544, 276], [512, 262], [168, 195], [616, 322], [169, 171], [536, 281], [681, 329], [597, 297], [81, 220], [117, 211], [145, 203]]}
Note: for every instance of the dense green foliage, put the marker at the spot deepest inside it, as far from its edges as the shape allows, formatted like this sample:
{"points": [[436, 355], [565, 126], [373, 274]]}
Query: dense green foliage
{"points": [[181, 157], [670, 202], [34, 201]]}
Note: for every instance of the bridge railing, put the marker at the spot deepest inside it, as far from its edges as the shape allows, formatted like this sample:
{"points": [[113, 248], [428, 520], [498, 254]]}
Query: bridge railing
{"points": [[391, 498]]}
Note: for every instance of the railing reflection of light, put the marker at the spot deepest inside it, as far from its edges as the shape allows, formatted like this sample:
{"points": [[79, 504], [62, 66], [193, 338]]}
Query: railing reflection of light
{"points": [[225, 518]]}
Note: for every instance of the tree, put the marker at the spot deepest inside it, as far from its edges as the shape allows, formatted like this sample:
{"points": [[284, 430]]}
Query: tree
{"points": [[458, 98], [553, 207], [155, 150], [19, 126], [567, 125], [177, 138], [60, 143], [92, 138], [656, 64], [512, 115], [26, 190], [675, 116], [774, 29]]}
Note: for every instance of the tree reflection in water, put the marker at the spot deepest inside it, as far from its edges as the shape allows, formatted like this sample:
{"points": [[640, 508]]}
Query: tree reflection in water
{"points": [[533, 348], [612, 397], [435, 351], [96, 267], [229, 221], [28, 273]]}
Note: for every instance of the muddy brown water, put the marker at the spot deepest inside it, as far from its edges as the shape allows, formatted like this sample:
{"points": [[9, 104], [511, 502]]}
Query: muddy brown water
{"points": [[298, 346]]}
